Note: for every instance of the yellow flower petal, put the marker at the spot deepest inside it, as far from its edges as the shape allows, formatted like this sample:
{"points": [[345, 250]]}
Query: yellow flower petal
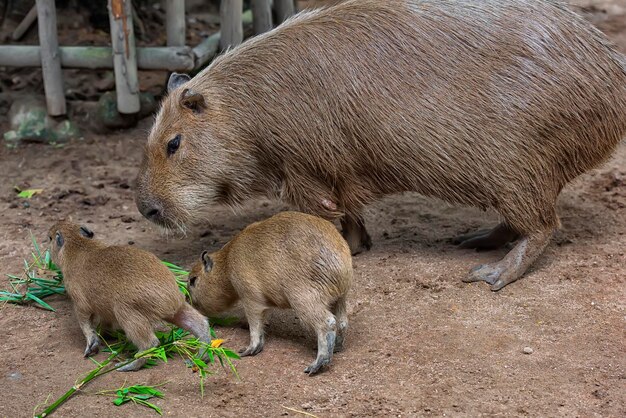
{"points": [[216, 343]]}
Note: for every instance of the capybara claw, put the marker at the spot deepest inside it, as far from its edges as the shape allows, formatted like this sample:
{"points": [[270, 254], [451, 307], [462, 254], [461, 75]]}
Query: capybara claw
{"points": [[92, 348], [250, 351], [483, 273]]}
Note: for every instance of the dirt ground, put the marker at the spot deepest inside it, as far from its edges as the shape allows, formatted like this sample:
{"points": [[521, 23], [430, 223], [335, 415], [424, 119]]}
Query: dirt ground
{"points": [[421, 342]]}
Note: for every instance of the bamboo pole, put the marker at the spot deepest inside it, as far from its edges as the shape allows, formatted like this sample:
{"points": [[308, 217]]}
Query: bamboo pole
{"points": [[230, 22], [25, 24], [210, 46], [100, 57], [262, 15], [284, 9], [124, 56], [50, 58], [175, 22]]}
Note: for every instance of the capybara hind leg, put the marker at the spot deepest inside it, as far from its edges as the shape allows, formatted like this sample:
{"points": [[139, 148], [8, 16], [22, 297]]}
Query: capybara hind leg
{"points": [[487, 239], [514, 264], [193, 321], [354, 232], [140, 332], [255, 314], [313, 313], [326, 338], [341, 314]]}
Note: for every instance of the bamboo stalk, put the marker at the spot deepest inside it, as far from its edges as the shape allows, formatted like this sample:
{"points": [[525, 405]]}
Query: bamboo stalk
{"points": [[230, 22], [99, 57], [284, 9], [50, 58], [124, 56], [175, 22], [210, 45], [25, 24], [262, 15]]}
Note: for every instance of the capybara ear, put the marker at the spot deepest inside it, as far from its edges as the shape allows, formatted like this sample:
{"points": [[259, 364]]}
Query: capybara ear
{"points": [[86, 232], [192, 100], [176, 80], [206, 260], [58, 237]]}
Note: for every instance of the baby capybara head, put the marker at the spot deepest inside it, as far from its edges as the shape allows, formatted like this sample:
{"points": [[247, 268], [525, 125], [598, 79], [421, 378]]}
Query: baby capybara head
{"points": [[209, 288], [62, 233], [187, 164]]}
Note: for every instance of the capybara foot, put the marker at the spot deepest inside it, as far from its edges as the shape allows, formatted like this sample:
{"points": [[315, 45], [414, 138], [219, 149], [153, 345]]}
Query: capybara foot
{"points": [[93, 347], [316, 366], [251, 350], [132, 366], [514, 264], [487, 239]]}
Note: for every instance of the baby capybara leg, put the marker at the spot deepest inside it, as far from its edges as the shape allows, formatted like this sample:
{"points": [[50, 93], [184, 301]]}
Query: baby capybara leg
{"points": [[193, 321], [325, 325], [86, 325], [487, 239], [341, 315], [354, 232], [140, 332], [514, 264], [255, 314]]}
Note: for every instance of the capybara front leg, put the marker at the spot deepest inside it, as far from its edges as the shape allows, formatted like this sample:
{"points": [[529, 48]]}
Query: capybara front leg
{"points": [[255, 314], [86, 325], [487, 239], [354, 232], [514, 264]]}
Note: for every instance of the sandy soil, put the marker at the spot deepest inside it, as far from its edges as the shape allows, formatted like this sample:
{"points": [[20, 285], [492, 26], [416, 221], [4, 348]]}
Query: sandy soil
{"points": [[421, 342]]}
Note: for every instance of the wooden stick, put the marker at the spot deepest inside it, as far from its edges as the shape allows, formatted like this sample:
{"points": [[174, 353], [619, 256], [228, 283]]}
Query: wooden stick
{"points": [[231, 24], [124, 56], [50, 58], [210, 45], [100, 57], [25, 24], [284, 9], [262, 15], [175, 22]]}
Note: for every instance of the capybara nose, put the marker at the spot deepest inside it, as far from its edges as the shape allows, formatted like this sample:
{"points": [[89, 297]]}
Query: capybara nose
{"points": [[150, 211]]}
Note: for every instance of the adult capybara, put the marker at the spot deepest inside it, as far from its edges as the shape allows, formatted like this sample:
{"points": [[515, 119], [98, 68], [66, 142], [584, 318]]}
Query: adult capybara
{"points": [[291, 260], [493, 103], [120, 286]]}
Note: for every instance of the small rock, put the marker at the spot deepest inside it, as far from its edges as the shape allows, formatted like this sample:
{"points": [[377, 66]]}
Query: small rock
{"points": [[14, 376], [528, 350], [67, 130], [307, 405]]}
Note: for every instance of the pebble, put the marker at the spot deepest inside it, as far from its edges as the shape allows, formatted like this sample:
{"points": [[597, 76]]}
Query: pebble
{"points": [[528, 350], [15, 376]]}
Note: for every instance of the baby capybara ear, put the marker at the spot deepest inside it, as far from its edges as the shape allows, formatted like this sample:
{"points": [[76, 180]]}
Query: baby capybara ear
{"points": [[86, 232], [206, 260], [193, 100], [176, 80]]}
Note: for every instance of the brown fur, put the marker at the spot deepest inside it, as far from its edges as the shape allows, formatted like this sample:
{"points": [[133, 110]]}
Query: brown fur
{"points": [[494, 104], [120, 287], [291, 260]]}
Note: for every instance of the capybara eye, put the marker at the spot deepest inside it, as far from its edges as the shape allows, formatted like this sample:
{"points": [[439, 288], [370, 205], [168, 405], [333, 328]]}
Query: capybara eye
{"points": [[192, 281], [173, 145]]}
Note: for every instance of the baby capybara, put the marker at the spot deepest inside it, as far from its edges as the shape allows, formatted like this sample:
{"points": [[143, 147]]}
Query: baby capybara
{"points": [[120, 286], [291, 260], [492, 103]]}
